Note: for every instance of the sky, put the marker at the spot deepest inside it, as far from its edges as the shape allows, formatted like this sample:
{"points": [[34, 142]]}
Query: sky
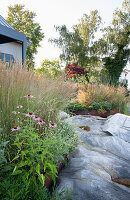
{"points": [[60, 12]]}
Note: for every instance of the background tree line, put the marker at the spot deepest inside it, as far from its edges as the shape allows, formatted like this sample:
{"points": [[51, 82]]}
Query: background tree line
{"points": [[108, 53]]}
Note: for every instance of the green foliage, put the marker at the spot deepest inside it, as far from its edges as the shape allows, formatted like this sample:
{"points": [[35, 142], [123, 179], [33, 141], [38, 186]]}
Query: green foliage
{"points": [[76, 106], [23, 21], [32, 157], [77, 45], [102, 105], [88, 26], [114, 45], [13, 187], [35, 155], [36, 152], [72, 46], [105, 105], [51, 68]]}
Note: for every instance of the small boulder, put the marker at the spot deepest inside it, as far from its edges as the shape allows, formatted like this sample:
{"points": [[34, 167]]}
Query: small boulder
{"points": [[118, 125], [62, 115]]}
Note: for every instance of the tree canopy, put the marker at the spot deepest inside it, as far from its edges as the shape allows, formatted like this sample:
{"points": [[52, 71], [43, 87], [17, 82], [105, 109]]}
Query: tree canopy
{"points": [[23, 21], [76, 45], [111, 50], [114, 45], [51, 68]]}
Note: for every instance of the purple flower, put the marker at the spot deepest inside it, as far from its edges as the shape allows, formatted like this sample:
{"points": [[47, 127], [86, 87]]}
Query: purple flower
{"points": [[67, 139], [30, 114], [52, 124], [20, 106], [41, 122], [36, 118], [29, 96], [15, 128]]}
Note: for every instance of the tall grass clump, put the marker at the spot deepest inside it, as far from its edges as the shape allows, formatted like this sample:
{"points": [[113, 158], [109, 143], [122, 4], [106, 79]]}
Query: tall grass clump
{"points": [[90, 93], [50, 95]]}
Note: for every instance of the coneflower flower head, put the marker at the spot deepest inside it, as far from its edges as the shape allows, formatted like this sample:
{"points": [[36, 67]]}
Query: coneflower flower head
{"points": [[20, 106], [36, 118], [41, 122], [15, 128], [30, 114], [29, 96], [52, 125]]}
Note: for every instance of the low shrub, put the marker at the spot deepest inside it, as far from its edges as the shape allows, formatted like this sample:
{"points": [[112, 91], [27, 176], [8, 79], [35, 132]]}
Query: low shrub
{"points": [[99, 106], [103, 105], [76, 106]]}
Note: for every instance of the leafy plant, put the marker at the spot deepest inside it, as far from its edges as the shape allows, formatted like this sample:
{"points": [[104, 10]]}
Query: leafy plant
{"points": [[32, 157], [105, 105], [37, 153], [76, 106], [13, 187]]}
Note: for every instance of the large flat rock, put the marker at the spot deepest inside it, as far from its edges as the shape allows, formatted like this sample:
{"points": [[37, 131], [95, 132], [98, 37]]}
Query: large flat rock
{"points": [[114, 145], [99, 158]]}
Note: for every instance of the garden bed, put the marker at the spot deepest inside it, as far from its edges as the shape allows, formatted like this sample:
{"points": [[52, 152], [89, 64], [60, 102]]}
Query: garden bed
{"points": [[95, 112]]}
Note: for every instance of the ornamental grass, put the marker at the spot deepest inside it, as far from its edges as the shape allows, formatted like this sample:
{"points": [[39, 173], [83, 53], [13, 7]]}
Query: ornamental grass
{"points": [[16, 83], [90, 93]]}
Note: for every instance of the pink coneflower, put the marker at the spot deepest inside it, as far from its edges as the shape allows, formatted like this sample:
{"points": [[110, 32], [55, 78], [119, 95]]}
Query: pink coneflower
{"points": [[36, 118], [15, 128], [29, 96], [52, 124], [30, 114], [41, 122], [15, 112], [20, 106]]}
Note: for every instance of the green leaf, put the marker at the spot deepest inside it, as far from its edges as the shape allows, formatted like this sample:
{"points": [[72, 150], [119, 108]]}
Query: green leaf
{"points": [[38, 169], [17, 172], [16, 157], [41, 178]]}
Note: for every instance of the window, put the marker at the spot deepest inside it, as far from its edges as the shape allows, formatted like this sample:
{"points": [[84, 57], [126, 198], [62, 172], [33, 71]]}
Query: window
{"points": [[7, 57]]}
